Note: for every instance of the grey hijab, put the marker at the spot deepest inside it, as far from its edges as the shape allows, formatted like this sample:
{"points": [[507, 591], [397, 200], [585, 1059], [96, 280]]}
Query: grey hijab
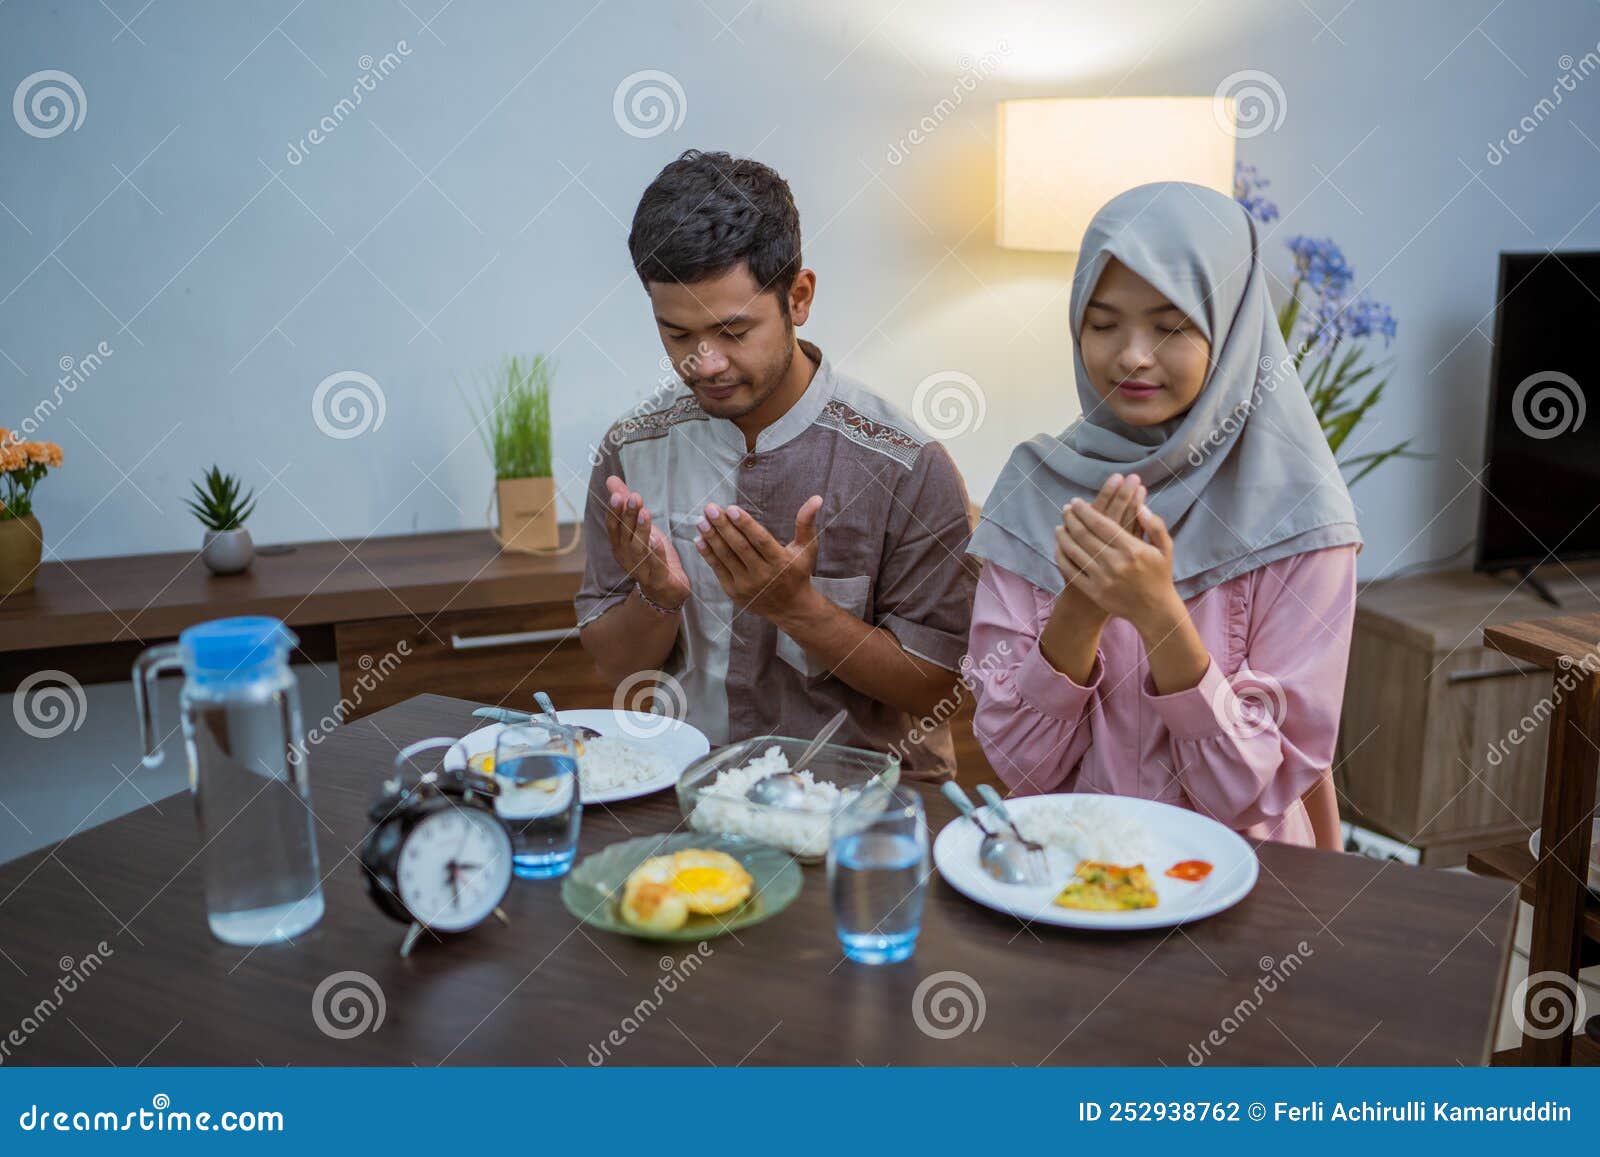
{"points": [[1245, 476]]}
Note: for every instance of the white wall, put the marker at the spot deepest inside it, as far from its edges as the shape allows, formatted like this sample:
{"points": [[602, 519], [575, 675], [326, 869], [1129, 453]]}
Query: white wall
{"points": [[509, 107], [230, 282]]}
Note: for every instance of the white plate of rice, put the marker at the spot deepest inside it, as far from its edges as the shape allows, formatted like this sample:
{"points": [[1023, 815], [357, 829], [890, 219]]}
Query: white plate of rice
{"points": [[1110, 829], [636, 755]]}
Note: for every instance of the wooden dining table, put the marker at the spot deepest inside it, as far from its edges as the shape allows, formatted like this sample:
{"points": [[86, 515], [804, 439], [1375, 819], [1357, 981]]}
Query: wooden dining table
{"points": [[1330, 960]]}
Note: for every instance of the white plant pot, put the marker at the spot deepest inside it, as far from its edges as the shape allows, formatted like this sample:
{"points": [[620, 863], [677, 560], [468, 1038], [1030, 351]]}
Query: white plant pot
{"points": [[227, 551]]}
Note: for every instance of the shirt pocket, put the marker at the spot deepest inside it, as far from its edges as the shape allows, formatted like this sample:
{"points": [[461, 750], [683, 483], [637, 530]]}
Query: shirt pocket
{"points": [[853, 594]]}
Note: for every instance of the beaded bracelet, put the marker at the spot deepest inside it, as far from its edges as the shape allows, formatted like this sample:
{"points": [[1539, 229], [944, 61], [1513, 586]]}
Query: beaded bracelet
{"points": [[653, 605]]}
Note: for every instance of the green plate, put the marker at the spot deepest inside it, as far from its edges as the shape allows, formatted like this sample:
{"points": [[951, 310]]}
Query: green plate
{"points": [[593, 889]]}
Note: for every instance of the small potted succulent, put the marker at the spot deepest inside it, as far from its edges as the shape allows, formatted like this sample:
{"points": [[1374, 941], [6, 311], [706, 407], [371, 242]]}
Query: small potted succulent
{"points": [[221, 510]]}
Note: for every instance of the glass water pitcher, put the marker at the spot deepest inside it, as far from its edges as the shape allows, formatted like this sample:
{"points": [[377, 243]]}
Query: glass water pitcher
{"points": [[240, 711]]}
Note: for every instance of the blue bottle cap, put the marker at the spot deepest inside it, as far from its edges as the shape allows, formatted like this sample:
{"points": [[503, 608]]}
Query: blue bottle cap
{"points": [[235, 648]]}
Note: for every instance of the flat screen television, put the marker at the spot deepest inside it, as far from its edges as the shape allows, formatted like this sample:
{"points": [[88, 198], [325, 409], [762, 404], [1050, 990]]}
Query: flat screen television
{"points": [[1540, 494]]}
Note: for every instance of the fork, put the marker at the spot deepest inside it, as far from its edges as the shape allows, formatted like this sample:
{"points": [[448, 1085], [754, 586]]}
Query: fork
{"points": [[1036, 852], [998, 854]]}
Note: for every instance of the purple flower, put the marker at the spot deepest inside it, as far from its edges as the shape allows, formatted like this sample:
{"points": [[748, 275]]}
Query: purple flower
{"points": [[1367, 317], [1321, 264], [1247, 186], [1327, 324], [1335, 320]]}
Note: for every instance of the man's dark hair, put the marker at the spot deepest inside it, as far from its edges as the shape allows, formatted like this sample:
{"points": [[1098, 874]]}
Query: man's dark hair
{"points": [[706, 212]]}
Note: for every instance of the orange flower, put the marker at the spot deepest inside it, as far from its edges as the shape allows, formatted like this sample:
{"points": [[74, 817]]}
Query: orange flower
{"points": [[46, 452]]}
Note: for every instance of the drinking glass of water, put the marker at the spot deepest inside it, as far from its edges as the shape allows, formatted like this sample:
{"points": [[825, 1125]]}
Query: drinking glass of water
{"points": [[536, 768], [878, 874]]}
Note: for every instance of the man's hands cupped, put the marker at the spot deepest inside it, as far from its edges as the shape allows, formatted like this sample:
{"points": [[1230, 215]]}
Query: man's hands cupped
{"points": [[756, 571], [642, 549]]}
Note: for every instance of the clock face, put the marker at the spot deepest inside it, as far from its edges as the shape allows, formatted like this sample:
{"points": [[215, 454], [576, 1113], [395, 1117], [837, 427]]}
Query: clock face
{"points": [[454, 868]]}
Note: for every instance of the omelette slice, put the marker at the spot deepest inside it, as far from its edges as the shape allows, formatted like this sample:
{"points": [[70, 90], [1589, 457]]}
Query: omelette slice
{"points": [[1098, 887]]}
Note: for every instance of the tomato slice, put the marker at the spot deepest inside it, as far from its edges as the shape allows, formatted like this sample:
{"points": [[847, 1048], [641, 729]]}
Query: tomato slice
{"points": [[1192, 870]]}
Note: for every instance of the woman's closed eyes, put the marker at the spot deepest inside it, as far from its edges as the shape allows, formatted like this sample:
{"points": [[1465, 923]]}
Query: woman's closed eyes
{"points": [[1184, 327]]}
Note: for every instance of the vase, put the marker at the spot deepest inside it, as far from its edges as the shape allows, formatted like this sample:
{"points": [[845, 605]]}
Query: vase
{"points": [[21, 545], [227, 551], [528, 515]]}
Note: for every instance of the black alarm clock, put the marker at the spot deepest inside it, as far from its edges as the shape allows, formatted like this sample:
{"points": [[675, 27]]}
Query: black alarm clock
{"points": [[437, 857]]}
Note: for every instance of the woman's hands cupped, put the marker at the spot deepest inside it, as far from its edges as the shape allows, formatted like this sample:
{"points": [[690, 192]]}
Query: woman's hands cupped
{"points": [[1116, 553]]}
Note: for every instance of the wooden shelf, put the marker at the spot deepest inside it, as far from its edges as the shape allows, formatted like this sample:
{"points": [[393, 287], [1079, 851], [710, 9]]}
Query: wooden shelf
{"points": [[141, 598], [1566, 918], [1515, 862]]}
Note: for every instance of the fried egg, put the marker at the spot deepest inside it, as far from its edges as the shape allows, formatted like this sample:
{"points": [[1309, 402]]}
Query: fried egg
{"points": [[710, 882], [661, 893], [650, 902]]}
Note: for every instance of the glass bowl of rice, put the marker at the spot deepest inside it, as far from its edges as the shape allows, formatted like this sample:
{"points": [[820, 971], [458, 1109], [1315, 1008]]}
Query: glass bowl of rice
{"points": [[711, 791]]}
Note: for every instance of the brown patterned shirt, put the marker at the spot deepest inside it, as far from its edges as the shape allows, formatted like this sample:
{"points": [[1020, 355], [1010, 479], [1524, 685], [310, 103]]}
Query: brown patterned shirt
{"points": [[893, 531]]}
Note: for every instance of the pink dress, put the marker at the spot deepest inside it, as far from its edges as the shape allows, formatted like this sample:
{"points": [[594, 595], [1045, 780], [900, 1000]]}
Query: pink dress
{"points": [[1242, 747]]}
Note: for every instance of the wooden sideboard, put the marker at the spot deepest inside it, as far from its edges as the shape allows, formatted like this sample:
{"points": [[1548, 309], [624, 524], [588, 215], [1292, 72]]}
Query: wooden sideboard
{"points": [[1435, 743], [474, 621], [448, 613]]}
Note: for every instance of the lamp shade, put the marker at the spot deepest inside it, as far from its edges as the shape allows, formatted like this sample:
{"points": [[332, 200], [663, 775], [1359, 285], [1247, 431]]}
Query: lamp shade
{"points": [[1060, 159]]}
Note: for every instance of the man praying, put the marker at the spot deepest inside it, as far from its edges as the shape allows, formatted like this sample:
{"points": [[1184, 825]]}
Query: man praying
{"points": [[775, 537]]}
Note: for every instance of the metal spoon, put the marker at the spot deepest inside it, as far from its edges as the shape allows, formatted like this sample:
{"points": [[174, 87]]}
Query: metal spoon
{"points": [[549, 709], [1038, 863], [1000, 856], [786, 788]]}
